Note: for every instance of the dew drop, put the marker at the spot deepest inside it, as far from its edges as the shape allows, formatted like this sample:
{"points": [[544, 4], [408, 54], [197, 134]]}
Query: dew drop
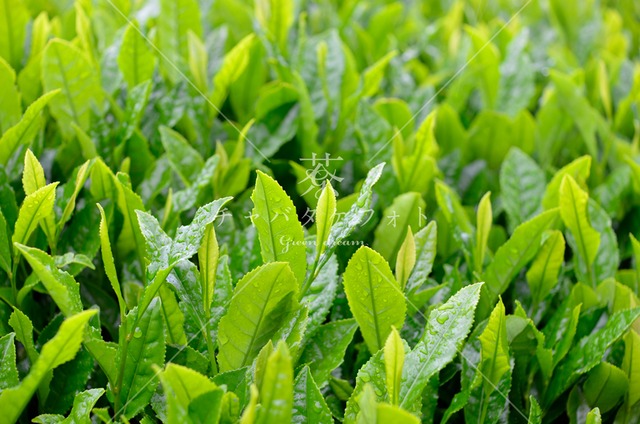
{"points": [[442, 318], [137, 333]]}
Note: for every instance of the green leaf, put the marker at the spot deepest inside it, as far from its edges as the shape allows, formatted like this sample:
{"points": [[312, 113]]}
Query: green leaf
{"points": [[14, 18], [60, 285], [522, 185], [415, 164], [390, 413], [23, 328], [280, 232], [260, 300], [512, 256], [356, 214], [447, 327], [543, 272], [453, 211], [326, 349], [175, 20], [36, 207], [144, 350], [33, 174], [325, 214], [189, 237], [8, 370], [406, 259], [574, 212], [607, 257], [321, 294], [495, 369], [83, 405], [208, 255], [67, 381], [60, 349], [579, 169], [593, 417], [184, 159], [605, 386], [393, 363], [11, 108], [5, 247], [589, 352], [172, 316], [629, 411], [32, 180], [426, 240], [136, 59], [250, 412], [276, 17], [69, 207], [198, 61], [191, 397], [276, 392], [108, 261], [370, 378], [233, 65], [483, 226], [374, 296], [130, 238], [404, 212], [309, 405], [368, 412], [535, 413], [67, 68]]}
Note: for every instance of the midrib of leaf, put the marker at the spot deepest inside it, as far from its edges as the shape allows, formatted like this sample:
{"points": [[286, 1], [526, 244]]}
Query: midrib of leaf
{"points": [[268, 221], [260, 317], [602, 386], [493, 357], [500, 281], [415, 156], [135, 57], [437, 345], [131, 222], [583, 246], [38, 206], [137, 363], [65, 83], [166, 318], [373, 303]]}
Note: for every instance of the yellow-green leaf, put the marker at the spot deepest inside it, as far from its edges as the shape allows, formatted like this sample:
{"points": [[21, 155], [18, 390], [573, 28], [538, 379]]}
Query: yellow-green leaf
{"points": [[36, 206], [374, 296], [579, 169], [393, 362], [208, 255], [24, 131], [65, 67], [483, 228], [60, 349], [574, 213], [280, 232], [325, 213], [136, 59], [406, 259], [260, 301]]}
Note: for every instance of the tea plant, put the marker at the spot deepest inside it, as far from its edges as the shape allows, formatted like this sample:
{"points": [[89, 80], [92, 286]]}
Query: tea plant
{"points": [[319, 211]]}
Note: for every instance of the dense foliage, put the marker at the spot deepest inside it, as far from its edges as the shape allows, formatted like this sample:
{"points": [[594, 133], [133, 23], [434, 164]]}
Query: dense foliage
{"points": [[315, 211]]}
